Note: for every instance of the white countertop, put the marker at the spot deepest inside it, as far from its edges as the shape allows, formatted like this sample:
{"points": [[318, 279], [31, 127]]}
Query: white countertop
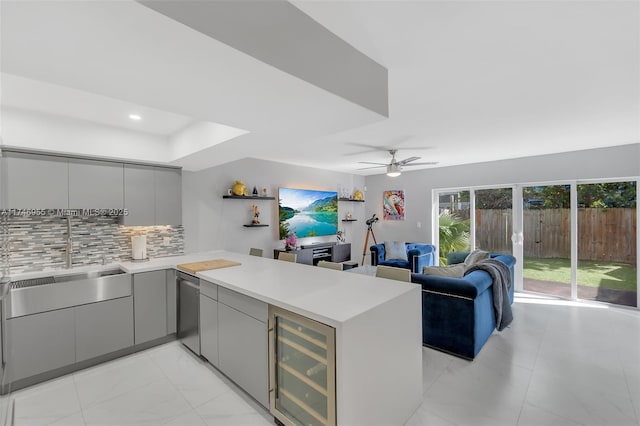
{"points": [[326, 295], [169, 261]]}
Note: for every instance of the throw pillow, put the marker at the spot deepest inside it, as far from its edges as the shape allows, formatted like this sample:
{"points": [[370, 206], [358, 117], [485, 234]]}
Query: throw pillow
{"points": [[395, 250], [454, 271], [475, 257]]}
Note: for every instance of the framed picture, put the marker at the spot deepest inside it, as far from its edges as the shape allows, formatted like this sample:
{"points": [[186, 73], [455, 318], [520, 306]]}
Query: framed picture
{"points": [[393, 205]]}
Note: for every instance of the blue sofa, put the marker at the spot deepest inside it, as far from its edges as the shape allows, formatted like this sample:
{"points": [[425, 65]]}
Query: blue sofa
{"points": [[418, 255], [457, 313]]}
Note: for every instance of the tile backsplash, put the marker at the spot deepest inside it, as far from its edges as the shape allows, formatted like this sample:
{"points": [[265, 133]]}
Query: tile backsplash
{"points": [[36, 243]]}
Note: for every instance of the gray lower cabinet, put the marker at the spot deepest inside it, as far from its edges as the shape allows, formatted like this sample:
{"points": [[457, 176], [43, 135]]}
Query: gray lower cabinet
{"points": [[168, 196], [103, 327], [172, 301], [150, 305], [139, 195], [243, 342], [39, 343], [95, 184], [209, 329], [35, 181]]}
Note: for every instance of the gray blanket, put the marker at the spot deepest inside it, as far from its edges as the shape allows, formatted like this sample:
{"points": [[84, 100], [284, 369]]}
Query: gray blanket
{"points": [[501, 276]]}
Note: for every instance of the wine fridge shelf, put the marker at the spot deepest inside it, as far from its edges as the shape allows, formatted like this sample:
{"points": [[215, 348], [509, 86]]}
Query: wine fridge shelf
{"points": [[319, 417], [304, 336], [302, 349], [303, 378]]}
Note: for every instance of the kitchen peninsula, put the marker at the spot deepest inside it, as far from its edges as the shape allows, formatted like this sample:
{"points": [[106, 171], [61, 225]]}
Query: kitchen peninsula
{"points": [[377, 325], [375, 345]]}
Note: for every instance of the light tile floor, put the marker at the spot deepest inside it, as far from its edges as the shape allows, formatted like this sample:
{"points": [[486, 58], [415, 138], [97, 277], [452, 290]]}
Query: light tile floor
{"points": [[560, 363]]}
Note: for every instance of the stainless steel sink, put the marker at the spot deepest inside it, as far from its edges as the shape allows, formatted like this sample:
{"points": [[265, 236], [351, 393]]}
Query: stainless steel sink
{"points": [[88, 275], [57, 292]]}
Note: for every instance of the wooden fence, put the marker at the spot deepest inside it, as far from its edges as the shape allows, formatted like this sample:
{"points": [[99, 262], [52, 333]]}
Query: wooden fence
{"points": [[603, 234]]}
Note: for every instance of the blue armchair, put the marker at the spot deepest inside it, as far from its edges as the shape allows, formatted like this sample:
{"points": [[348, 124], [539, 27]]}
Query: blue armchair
{"points": [[418, 255]]}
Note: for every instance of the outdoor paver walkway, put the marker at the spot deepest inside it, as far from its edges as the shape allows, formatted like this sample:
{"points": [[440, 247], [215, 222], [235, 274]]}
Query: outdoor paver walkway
{"points": [[619, 297]]}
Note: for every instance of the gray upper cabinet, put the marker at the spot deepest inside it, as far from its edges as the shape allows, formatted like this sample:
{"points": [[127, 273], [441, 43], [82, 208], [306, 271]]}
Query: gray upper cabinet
{"points": [[150, 305], [35, 181], [95, 184], [168, 196], [152, 195], [3, 182], [139, 195]]}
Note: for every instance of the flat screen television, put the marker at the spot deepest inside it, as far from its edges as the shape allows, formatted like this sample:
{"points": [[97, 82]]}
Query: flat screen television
{"points": [[307, 212]]}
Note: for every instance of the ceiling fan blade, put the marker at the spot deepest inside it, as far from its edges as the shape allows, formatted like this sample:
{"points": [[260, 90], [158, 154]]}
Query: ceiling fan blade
{"points": [[408, 160], [413, 148], [423, 163], [372, 167], [369, 162], [364, 145], [371, 148]]}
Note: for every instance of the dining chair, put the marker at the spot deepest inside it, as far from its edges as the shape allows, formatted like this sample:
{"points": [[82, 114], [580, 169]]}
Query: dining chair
{"points": [[331, 265], [400, 274], [288, 257]]}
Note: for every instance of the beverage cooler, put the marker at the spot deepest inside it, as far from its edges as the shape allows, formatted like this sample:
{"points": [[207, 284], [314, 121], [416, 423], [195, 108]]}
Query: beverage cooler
{"points": [[302, 370]]}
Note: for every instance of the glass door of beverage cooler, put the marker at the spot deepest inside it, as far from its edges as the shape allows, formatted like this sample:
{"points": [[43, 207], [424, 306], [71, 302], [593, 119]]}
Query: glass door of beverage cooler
{"points": [[301, 370]]}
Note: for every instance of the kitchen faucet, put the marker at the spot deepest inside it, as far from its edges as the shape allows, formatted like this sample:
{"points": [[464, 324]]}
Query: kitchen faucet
{"points": [[69, 244]]}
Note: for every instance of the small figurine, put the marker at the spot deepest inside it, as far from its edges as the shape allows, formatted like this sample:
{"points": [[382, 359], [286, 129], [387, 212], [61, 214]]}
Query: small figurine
{"points": [[256, 213], [348, 216], [264, 192], [255, 191]]}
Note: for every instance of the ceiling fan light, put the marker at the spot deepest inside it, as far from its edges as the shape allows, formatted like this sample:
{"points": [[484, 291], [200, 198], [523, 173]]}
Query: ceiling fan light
{"points": [[393, 170]]}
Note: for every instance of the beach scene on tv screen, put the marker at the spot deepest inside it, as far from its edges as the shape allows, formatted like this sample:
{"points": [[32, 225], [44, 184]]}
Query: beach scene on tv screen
{"points": [[307, 213]]}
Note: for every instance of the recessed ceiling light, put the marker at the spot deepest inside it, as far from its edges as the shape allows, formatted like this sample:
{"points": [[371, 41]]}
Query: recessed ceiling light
{"points": [[135, 117]]}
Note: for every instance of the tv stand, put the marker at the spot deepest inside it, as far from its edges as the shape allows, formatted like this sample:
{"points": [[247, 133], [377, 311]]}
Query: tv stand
{"points": [[311, 254]]}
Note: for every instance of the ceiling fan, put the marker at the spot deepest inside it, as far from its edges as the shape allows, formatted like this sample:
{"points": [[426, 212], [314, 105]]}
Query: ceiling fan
{"points": [[394, 168]]}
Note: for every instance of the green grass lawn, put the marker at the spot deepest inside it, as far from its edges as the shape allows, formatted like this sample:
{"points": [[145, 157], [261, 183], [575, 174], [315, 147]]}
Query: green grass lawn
{"points": [[614, 275]]}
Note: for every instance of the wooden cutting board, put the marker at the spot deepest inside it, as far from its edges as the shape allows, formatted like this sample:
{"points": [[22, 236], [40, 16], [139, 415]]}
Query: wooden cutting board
{"points": [[206, 265]]}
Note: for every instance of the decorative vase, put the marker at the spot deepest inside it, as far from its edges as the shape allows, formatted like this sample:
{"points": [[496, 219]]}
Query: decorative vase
{"points": [[239, 188]]}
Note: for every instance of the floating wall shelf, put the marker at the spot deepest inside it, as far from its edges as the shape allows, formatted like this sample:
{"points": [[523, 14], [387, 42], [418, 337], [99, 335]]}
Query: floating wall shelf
{"points": [[248, 197], [350, 199], [251, 225], [349, 220]]}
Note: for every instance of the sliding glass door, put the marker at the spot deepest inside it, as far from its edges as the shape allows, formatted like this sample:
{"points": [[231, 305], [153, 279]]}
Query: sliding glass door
{"points": [[576, 240], [453, 222], [607, 270], [546, 229], [494, 220]]}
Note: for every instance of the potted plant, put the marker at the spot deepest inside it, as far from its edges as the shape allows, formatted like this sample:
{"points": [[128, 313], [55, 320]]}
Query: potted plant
{"points": [[290, 242]]}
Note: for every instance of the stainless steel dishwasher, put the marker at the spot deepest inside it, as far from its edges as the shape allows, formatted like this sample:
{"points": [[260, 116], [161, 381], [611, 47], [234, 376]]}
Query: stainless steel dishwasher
{"points": [[189, 311]]}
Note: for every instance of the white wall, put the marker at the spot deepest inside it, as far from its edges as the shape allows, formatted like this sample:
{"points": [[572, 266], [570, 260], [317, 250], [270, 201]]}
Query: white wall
{"points": [[211, 222], [615, 162], [199, 136], [56, 133]]}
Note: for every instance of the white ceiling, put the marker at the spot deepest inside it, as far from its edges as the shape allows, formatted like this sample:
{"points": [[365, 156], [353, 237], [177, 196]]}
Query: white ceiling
{"points": [[475, 81], [39, 96]]}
